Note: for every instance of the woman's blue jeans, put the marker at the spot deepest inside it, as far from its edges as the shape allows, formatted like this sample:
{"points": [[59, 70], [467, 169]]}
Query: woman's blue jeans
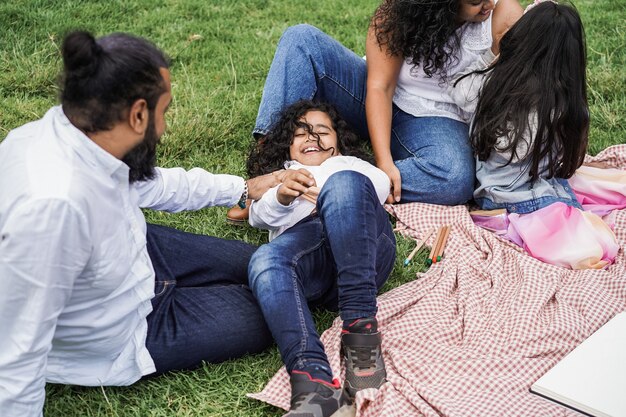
{"points": [[433, 154], [203, 309], [336, 258]]}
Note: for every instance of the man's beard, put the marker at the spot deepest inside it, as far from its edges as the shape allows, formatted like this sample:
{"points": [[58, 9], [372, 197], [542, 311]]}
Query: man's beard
{"points": [[142, 158]]}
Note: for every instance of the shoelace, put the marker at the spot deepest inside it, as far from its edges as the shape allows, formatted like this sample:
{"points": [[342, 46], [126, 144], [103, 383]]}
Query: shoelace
{"points": [[363, 357]]}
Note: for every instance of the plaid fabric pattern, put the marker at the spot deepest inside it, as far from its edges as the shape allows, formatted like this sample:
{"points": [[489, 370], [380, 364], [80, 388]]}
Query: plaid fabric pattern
{"points": [[470, 336]]}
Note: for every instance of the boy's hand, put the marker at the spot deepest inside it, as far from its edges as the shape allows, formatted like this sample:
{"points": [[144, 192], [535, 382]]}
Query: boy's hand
{"points": [[295, 183]]}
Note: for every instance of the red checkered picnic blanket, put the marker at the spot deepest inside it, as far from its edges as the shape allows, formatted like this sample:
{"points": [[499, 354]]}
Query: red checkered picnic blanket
{"points": [[469, 336]]}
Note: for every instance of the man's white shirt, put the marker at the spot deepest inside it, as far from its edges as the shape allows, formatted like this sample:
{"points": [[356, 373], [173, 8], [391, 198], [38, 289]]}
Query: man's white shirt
{"points": [[76, 278]]}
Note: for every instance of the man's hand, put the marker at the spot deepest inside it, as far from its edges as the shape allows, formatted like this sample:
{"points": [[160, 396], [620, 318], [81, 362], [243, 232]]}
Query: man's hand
{"points": [[294, 184], [257, 186]]}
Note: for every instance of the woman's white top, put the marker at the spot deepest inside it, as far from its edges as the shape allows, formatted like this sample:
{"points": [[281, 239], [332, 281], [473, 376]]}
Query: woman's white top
{"points": [[424, 96]]}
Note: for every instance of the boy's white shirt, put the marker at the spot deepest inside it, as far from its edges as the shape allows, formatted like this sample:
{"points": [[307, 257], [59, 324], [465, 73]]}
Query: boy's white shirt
{"points": [[268, 213]]}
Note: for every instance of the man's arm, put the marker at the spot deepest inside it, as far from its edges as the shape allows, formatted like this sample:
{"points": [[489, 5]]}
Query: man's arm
{"points": [[44, 246], [174, 189]]}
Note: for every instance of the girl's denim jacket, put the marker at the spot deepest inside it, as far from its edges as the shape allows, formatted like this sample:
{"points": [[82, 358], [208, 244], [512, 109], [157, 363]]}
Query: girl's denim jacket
{"points": [[502, 185], [509, 186]]}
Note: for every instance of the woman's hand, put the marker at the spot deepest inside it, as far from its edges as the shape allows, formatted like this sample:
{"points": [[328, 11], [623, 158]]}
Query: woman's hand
{"points": [[396, 181], [294, 184]]}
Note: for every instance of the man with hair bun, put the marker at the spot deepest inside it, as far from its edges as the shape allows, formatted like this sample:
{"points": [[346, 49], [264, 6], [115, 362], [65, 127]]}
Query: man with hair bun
{"points": [[92, 295]]}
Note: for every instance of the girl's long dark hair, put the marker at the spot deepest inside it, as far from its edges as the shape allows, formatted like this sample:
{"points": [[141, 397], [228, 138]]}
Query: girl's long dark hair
{"points": [[272, 151], [423, 31], [541, 69]]}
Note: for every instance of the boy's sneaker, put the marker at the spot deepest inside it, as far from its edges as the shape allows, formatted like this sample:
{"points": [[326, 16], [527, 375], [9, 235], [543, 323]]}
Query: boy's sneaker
{"points": [[362, 355], [316, 398]]}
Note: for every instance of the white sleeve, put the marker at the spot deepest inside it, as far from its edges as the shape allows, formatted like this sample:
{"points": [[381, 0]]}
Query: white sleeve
{"points": [[174, 190], [465, 93], [268, 213], [44, 246]]}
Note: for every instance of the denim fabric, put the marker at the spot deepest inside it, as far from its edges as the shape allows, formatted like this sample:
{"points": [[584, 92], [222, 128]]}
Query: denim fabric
{"points": [[337, 258], [203, 309], [562, 192], [433, 154], [501, 183]]}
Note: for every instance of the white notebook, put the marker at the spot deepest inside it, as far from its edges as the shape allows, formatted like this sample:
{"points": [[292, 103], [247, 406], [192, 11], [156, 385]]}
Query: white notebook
{"points": [[591, 378]]}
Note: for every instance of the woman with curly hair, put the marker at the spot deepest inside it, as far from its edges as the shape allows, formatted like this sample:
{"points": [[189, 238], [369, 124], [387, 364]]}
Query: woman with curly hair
{"points": [[333, 247], [413, 49]]}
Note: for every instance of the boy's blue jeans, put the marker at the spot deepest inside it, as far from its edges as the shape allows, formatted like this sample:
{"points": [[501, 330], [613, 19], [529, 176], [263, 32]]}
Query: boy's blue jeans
{"points": [[203, 309], [433, 154], [338, 257]]}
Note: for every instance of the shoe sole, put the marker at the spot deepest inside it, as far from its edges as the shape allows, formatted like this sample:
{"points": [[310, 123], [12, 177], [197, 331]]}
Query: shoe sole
{"points": [[351, 391], [345, 411], [235, 222]]}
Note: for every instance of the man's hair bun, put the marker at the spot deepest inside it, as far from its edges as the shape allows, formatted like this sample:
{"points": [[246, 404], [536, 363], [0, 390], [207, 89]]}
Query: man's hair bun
{"points": [[81, 53]]}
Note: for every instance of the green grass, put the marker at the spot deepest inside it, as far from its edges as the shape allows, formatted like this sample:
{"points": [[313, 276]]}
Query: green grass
{"points": [[221, 52]]}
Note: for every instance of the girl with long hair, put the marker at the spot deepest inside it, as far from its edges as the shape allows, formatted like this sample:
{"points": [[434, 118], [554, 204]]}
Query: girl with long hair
{"points": [[530, 132], [335, 251]]}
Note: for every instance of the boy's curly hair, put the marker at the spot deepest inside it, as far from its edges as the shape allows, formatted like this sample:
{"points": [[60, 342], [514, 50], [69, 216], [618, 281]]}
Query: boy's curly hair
{"points": [[271, 152]]}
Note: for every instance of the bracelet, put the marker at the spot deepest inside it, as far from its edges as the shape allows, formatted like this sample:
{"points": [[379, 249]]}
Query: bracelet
{"points": [[244, 196]]}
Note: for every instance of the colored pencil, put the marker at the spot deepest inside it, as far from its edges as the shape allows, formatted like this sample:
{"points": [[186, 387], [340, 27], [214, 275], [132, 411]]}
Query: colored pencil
{"points": [[418, 246], [311, 194], [442, 245], [433, 258], [434, 246]]}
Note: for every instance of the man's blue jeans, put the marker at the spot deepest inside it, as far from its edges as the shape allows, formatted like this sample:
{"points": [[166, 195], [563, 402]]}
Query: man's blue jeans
{"points": [[338, 257], [203, 308], [433, 154]]}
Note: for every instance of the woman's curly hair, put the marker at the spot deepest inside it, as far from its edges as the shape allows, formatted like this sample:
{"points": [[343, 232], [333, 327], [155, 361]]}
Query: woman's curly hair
{"points": [[422, 31], [272, 151]]}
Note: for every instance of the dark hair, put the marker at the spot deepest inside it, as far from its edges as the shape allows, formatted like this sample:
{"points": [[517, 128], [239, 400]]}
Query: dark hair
{"points": [[541, 69], [102, 78], [272, 151], [424, 31]]}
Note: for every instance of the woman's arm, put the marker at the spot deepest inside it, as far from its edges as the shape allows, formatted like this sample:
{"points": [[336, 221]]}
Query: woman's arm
{"points": [[382, 76], [506, 13]]}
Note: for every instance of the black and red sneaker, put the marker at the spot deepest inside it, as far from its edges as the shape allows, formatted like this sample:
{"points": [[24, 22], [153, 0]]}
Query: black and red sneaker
{"points": [[317, 398], [361, 345]]}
